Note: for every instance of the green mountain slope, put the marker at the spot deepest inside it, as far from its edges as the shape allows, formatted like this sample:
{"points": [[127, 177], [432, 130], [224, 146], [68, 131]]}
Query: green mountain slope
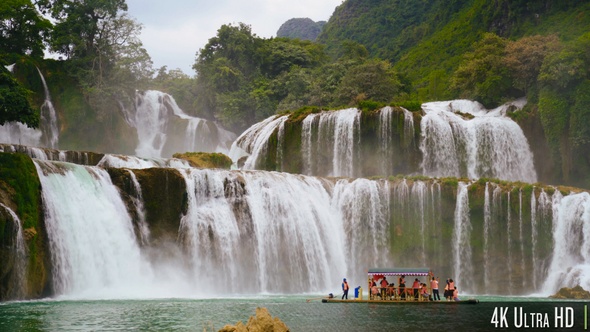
{"points": [[427, 39]]}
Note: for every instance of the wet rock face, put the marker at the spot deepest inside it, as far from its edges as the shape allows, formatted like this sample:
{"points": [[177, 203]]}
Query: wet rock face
{"points": [[164, 198], [571, 293], [261, 322]]}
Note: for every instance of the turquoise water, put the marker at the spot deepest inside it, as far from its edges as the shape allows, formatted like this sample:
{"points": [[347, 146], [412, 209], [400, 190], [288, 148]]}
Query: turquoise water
{"points": [[295, 311]]}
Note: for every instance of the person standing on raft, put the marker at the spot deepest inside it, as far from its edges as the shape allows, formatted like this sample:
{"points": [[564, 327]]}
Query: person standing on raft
{"points": [[345, 289]]}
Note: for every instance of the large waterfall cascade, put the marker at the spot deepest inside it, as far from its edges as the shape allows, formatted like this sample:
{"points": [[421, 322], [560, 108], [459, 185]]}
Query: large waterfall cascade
{"points": [[459, 138], [259, 232]]}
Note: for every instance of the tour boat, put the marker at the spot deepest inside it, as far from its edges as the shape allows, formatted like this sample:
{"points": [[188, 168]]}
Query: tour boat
{"points": [[393, 293]]}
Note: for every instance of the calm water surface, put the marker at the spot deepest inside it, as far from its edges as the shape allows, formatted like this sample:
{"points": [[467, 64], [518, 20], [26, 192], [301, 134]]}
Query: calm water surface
{"points": [[295, 311]]}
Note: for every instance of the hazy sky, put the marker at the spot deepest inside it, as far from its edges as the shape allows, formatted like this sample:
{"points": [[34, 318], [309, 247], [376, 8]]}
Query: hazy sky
{"points": [[174, 30]]}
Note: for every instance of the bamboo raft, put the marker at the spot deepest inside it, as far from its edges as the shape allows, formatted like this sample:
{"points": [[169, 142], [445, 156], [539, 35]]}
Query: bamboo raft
{"points": [[396, 295]]}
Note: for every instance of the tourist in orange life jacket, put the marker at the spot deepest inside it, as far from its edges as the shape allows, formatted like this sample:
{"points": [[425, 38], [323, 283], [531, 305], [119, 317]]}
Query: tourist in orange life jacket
{"points": [[416, 287], [345, 289], [451, 288], [434, 287]]}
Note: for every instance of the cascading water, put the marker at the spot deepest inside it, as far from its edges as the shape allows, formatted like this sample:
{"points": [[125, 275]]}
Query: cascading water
{"points": [[280, 237], [487, 145], [570, 263], [48, 133], [94, 251], [159, 122], [487, 216], [365, 211], [246, 232], [385, 138], [19, 249], [462, 251], [48, 121], [509, 245], [143, 231], [254, 141]]}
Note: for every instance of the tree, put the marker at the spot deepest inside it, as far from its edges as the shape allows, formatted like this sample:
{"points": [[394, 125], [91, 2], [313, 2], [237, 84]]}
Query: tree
{"points": [[14, 102], [482, 75], [373, 79], [79, 24], [525, 56], [103, 49], [22, 29], [225, 67]]}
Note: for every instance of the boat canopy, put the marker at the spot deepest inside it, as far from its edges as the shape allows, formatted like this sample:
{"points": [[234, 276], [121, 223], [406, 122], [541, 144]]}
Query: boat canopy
{"points": [[405, 271]]}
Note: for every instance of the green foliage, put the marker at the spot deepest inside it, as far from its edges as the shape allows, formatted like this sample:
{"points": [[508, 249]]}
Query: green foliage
{"points": [[410, 105], [580, 115], [18, 172], [553, 108], [373, 79], [14, 101], [482, 75], [369, 105], [80, 25], [242, 79], [22, 29]]}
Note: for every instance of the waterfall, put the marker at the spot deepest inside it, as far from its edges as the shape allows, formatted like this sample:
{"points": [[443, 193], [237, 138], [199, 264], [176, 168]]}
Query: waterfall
{"points": [[570, 263], [541, 225], [408, 127], [487, 145], [521, 236], [364, 208], [385, 137], [163, 128], [258, 232], [463, 268], [94, 251], [19, 250], [143, 231], [46, 135], [487, 221], [283, 236], [308, 149], [509, 245], [419, 196], [48, 121], [254, 141], [337, 137], [344, 127]]}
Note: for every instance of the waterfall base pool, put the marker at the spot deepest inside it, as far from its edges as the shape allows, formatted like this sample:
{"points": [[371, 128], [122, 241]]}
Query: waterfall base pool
{"points": [[509, 313]]}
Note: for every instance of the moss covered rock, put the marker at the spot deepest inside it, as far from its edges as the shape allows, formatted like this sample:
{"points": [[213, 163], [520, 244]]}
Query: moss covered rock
{"points": [[163, 192], [206, 160], [261, 322], [571, 293], [20, 191]]}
